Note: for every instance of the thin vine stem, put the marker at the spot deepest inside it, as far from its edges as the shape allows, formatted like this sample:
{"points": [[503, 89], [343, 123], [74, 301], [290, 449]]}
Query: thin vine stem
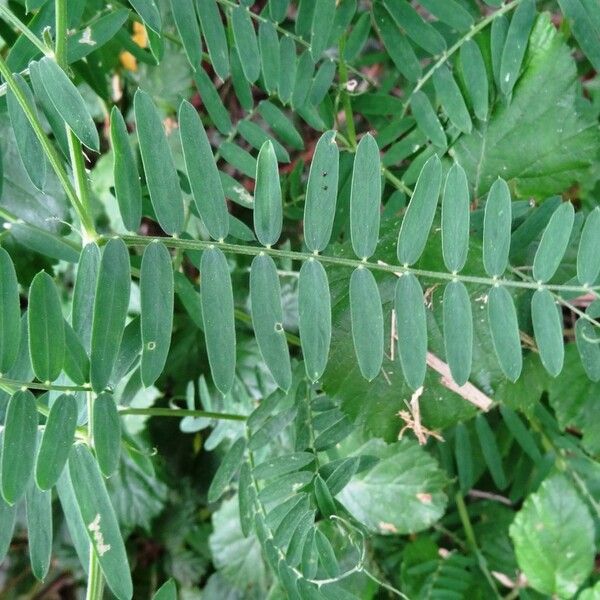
{"points": [[474, 30], [353, 263], [7, 15]]}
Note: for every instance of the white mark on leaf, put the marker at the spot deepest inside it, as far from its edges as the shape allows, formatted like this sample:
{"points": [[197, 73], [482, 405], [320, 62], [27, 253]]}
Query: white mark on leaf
{"points": [[94, 527]]}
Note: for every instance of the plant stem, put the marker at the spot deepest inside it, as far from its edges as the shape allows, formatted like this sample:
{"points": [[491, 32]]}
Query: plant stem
{"points": [[7, 15], [181, 412], [139, 240], [34, 385]]}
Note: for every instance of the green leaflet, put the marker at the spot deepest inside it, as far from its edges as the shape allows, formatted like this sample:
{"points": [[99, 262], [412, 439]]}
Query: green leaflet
{"points": [[184, 15], [504, 328], [227, 469], [212, 101], [268, 42], [555, 554], [321, 193], [161, 176], [516, 44], [46, 329], [325, 500], [245, 498], [127, 180], [449, 12], [216, 296], [29, 147], [8, 515], [396, 44], [282, 465], [156, 295], [588, 344], [521, 434], [548, 330], [420, 213], [367, 322], [267, 319], [106, 427], [100, 521], [38, 506], [422, 33], [475, 76], [268, 215], [110, 311], [84, 293], [588, 256], [323, 15], [18, 445], [68, 102], [490, 450], [497, 39], [239, 158], [322, 82], [241, 86], [302, 82], [287, 75], [256, 136], [497, 223], [458, 331], [358, 37], [44, 242], [427, 120], [464, 457], [246, 42], [455, 219], [280, 124], [57, 439], [452, 99], [278, 9], [10, 313], [314, 308], [167, 591], [149, 13], [365, 198], [554, 243], [214, 36], [411, 327], [583, 18], [202, 173]]}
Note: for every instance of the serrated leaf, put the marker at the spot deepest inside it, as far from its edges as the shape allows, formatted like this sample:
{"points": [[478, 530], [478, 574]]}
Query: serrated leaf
{"points": [[38, 506], [46, 328], [128, 189], [68, 102], [402, 493], [458, 331], [216, 295], [314, 307], [367, 322], [106, 427], [227, 469], [57, 439], [516, 44], [504, 328], [100, 521], [554, 243], [321, 193], [419, 215], [161, 176], [365, 198], [411, 328], [455, 219], [267, 319], [184, 15], [156, 314], [451, 99], [28, 145], [548, 331], [18, 445], [323, 15], [268, 211], [10, 313], [246, 42], [214, 36], [556, 555], [588, 256], [110, 311], [497, 224], [475, 76]]}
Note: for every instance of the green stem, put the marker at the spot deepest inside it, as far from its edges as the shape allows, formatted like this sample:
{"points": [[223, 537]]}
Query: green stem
{"points": [[181, 412], [456, 46], [138, 240], [12, 19], [34, 385]]}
